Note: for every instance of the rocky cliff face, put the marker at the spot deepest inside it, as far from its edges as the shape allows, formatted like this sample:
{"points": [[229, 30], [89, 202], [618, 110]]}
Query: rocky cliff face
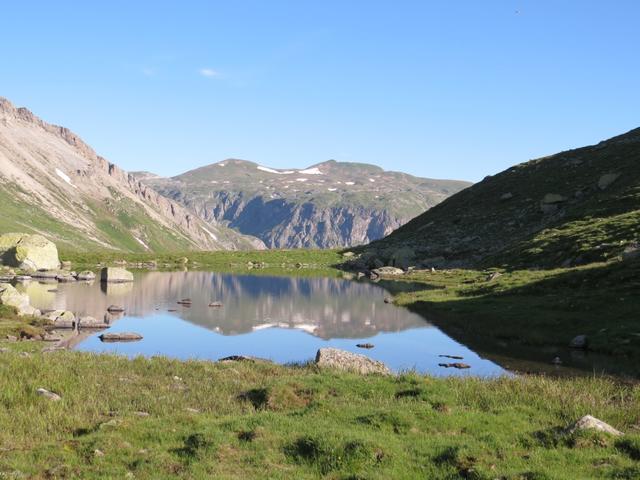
{"points": [[54, 183], [327, 205]]}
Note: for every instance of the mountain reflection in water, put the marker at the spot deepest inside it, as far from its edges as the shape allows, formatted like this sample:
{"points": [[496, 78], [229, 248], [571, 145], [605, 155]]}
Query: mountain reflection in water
{"points": [[258, 311]]}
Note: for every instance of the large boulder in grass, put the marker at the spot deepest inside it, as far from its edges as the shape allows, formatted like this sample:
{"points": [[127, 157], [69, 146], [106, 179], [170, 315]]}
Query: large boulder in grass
{"points": [[13, 298], [352, 362], [115, 275], [29, 252]]}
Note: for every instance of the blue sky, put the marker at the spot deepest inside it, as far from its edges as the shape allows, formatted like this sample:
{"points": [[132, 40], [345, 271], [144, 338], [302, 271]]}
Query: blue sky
{"points": [[445, 89]]}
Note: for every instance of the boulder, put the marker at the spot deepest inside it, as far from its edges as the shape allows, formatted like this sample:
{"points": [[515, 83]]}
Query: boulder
{"points": [[591, 423], [29, 252], [353, 362], [86, 276], [607, 179], [48, 395], [506, 196], [115, 275], [579, 341], [553, 198], [91, 322], [388, 271], [13, 298], [404, 257], [61, 318]]}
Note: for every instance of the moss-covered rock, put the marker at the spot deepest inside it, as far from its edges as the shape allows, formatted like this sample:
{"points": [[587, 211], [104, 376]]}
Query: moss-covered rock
{"points": [[29, 252]]}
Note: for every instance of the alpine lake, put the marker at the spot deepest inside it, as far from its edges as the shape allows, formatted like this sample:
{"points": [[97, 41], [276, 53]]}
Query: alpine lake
{"points": [[285, 319]]}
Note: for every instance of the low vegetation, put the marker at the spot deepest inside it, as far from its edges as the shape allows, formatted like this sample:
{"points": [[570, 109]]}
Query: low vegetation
{"points": [[159, 418]]}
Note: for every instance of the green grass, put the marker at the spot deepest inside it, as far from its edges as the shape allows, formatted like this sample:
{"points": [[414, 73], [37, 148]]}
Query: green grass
{"points": [[282, 262], [266, 421], [539, 310]]}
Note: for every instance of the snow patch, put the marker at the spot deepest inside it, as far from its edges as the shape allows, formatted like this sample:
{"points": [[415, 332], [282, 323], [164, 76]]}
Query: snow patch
{"points": [[222, 164], [64, 177], [301, 179], [332, 189], [210, 234], [311, 171], [142, 243], [372, 180], [277, 172], [349, 183]]}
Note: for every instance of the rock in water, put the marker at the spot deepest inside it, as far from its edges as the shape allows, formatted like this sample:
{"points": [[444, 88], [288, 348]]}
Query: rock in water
{"points": [[343, 360], [115, 309], [120, 337], [13, 298], [591, 423], [29, 252], [115, 275], [86, 276]]}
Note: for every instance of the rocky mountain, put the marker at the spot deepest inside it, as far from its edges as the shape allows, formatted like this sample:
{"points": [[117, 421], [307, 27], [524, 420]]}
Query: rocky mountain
{"points": [[53, 183], [575, 207], [330, 204]]}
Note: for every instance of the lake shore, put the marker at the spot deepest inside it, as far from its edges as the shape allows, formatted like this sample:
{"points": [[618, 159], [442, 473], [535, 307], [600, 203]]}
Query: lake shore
{"points": [[162, 418]]}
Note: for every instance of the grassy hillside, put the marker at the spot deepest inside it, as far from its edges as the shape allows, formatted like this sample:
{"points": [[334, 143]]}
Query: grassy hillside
{"points": [[572, 208]]}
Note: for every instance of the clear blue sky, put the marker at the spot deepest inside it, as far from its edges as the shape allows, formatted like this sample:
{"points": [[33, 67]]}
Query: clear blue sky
{"points": [[455, 89]]}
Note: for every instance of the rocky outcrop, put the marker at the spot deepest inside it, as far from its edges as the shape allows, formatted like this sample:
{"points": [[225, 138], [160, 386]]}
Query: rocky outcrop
{"points": [[353, 362], [28, 252]]}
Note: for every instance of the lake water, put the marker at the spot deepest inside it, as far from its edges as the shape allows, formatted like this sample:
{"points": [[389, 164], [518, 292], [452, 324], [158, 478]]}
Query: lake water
{"points": [[285, 319]]}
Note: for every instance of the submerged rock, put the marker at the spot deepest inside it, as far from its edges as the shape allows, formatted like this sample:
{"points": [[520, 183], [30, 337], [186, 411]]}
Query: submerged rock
{"points": [[115, 275], [591, 423], [354, 362], [86, 276]]}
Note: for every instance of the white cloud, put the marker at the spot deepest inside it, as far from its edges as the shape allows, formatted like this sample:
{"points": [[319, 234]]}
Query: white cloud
{"points": [[208, 72]]}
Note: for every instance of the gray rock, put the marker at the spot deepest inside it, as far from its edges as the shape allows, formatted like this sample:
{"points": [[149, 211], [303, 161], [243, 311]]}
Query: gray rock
{"points": [[591, 423], [90, 322], [343, 360], [388, 271], [86, 276], [120, 337], [552, 198], [579, 341], [115, 309], [607, 179], [48, 395], [61, 318], [506, 196], [115, 275]]}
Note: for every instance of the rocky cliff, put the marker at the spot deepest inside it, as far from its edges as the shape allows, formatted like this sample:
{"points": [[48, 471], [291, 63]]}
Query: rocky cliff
{"points": [[331, 204], [52, 182]]}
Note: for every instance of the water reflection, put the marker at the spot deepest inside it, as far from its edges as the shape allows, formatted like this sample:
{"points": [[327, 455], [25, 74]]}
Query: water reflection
{"points": [[282, 318]]}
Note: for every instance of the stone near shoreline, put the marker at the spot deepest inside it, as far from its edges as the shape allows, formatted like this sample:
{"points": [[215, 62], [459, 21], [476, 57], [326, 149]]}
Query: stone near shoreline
{"points": [[120, 337], [115, 275], [13, 298], [353, 362]]}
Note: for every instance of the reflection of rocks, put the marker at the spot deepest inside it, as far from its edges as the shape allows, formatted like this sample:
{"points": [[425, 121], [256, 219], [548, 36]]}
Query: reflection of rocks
{"points": [[324, 307]]}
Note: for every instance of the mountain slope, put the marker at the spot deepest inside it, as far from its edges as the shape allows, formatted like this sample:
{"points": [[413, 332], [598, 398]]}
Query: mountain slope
{"points": [[327, 205], [51, 182], [571, 208]]}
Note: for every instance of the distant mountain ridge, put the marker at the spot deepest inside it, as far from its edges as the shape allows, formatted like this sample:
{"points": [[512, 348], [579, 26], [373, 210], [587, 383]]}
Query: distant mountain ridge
{"points": [[51, 182], [330, 204], [572, 208]]}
